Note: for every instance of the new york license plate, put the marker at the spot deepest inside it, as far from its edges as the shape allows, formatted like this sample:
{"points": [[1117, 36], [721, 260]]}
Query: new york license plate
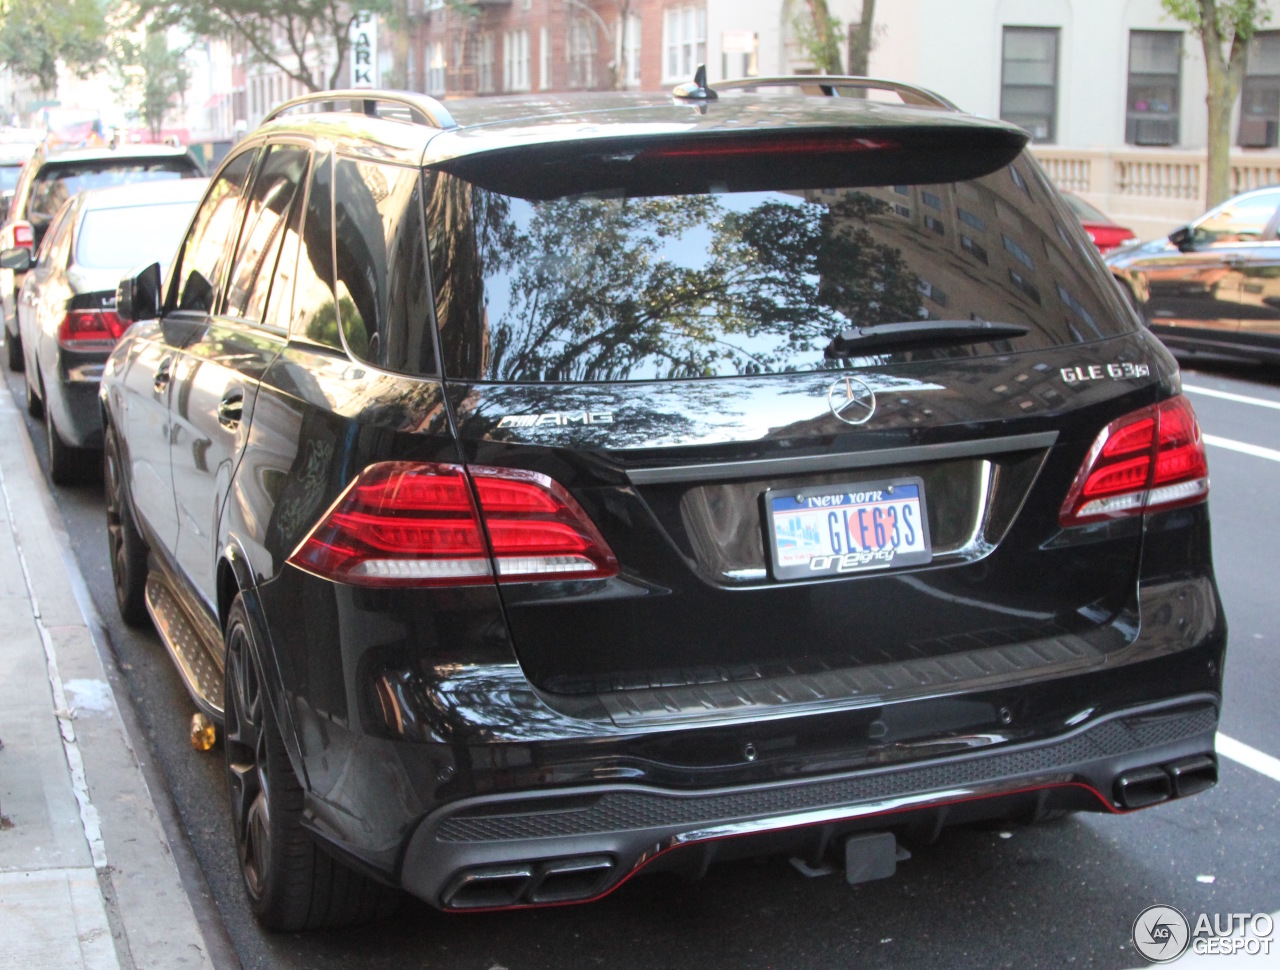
{"points": [[834, 529]]}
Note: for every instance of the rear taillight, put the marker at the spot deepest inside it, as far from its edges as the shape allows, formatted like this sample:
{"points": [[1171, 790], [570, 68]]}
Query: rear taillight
{"points": [[418, 524], [23, 235], [1148, 460], [89, 326]]}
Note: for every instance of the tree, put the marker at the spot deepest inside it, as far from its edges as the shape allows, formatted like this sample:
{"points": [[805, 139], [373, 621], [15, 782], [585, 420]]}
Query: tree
{"points": [[288, 34], [151, 76], [1225, 28], [34, 37], [860, 39], [820, 35]]}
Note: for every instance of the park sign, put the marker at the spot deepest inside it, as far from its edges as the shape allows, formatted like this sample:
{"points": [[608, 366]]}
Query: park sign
{"points": [[364, 49]]}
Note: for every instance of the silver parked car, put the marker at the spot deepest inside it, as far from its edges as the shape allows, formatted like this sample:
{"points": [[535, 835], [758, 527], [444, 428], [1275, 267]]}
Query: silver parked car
{"points": [[66, 308]]}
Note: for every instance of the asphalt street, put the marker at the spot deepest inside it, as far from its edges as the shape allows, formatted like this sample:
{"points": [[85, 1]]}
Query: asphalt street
{"points": [[1056, 895]]}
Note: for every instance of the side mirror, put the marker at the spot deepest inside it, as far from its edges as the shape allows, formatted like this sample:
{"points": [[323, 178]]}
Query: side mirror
{"points": [[138, 295], [1183, 238], [17, 259]]}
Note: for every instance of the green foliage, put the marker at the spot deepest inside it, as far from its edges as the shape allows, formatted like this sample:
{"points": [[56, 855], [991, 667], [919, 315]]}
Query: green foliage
{"points": [[1230, 18], [284, 33], [819, 34], [35, 36], [150, 76]]}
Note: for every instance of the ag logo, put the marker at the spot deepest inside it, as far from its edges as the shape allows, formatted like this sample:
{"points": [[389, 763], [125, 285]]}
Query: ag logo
{"points": [[851, 400], [1161, 934]]}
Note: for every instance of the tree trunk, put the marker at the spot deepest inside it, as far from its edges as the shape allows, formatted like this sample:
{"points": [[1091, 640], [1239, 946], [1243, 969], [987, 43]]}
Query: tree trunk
{"points": [[860, 39], [828, 52], [1220, 99], [399, 24]]}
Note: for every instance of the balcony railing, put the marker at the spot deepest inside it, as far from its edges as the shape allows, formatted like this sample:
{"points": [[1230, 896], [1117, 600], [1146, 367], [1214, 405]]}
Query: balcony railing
{"points": [[1150, 190]]}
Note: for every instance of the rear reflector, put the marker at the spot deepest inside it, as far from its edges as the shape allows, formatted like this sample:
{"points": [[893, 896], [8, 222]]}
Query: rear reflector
{"points": [[1148, 460], [418, 524], [23, 235], [80, 327]]}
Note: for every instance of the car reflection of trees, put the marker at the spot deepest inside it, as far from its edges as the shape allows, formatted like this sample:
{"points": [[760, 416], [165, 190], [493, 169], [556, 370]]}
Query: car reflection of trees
{"points": [[587, 290]]}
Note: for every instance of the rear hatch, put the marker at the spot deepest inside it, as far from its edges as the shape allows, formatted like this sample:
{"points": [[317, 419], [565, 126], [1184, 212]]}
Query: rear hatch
{"points": [[822, 395]]}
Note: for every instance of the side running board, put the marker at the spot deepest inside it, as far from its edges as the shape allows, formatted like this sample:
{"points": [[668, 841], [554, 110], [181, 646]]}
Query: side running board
{"points": [[199, 662]]}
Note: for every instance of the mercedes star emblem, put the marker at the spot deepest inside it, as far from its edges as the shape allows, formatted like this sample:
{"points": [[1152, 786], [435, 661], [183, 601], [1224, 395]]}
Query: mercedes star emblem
{"points": [[851, 400]]}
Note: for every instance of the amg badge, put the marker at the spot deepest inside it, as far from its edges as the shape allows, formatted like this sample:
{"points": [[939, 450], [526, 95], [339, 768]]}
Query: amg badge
{"points": [[557, 419]]}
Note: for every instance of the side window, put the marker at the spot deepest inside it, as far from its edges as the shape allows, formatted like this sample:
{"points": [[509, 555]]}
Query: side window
{"points": [[54, 238], [464, 238], [195, 278], [267, 211], [383, 295], [315, 311], [1237, 222]]}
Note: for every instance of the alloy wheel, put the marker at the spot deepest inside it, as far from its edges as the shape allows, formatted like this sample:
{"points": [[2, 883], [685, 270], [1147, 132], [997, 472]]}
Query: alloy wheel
{"points": [[247, 774]]}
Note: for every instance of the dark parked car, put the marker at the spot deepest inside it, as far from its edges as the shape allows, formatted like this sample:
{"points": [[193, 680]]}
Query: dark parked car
{"points": [[542, 490], [1214, 285], [66, 309], [48, 180]]}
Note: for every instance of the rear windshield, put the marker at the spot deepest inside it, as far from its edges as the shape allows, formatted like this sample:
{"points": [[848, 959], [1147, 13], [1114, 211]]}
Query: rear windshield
{"points": [[57, 183], [621, 286], [9, 176], [131, 236]]}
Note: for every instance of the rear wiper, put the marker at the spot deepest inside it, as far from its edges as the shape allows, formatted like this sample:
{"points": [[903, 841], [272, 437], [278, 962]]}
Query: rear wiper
{"points": [[919, 333]]}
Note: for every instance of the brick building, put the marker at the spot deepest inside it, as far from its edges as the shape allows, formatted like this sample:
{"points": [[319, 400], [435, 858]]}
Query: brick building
{"points": [[515, 46]]}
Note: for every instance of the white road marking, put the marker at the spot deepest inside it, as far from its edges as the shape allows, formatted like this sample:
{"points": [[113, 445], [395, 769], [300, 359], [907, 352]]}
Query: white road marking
{"points": [[1228, 396], [1242, 753], [1257, 451]]}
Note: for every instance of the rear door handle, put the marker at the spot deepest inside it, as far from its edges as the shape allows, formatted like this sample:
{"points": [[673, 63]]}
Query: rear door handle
{"points": [[231, 409]]}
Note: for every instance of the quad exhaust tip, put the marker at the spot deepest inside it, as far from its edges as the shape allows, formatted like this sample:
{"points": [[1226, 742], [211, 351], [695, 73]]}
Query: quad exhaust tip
{"points": [[1159, 783], [529, 883]]}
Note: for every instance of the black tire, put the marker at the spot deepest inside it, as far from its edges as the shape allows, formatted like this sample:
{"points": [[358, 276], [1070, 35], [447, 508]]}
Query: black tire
{"points": [[291, 883], [127, 548], [35, 404], [65, 462], [13, 346]]}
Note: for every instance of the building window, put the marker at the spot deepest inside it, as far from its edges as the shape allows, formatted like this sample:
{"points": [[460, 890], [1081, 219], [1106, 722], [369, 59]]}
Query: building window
{"points": [[1155, 78], [544, 58], [483, 56], [685, 33], [1260, 94], [581, 51], [435, 68], [515, 61], [627, 49], [1029, 82]]}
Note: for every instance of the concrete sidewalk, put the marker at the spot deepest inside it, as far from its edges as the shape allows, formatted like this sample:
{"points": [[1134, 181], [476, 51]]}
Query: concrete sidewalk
{"points": [[87, 876]]}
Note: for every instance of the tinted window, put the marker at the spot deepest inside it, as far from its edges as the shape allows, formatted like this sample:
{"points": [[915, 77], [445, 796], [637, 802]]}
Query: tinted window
{"points": [[383, 296], [608, 287], [315, 313], [46, 254], [154, 232], [57, 183], [266, 217], [196, 278], [1237, 221]]}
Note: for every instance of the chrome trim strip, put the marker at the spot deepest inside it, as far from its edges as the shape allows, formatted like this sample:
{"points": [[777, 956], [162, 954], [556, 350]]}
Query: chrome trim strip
{"points": [[769, 467]]}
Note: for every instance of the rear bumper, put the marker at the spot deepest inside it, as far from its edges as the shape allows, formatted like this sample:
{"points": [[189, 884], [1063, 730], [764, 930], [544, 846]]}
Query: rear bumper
{"points": [[573, 845], [71, 393]]}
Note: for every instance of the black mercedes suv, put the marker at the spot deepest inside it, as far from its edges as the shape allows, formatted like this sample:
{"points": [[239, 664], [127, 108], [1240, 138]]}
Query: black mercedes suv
{"points": [[539, 490]]}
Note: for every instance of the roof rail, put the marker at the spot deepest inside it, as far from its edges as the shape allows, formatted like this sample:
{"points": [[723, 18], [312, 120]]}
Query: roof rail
{"points": [[830, 85], [422, 109]]}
